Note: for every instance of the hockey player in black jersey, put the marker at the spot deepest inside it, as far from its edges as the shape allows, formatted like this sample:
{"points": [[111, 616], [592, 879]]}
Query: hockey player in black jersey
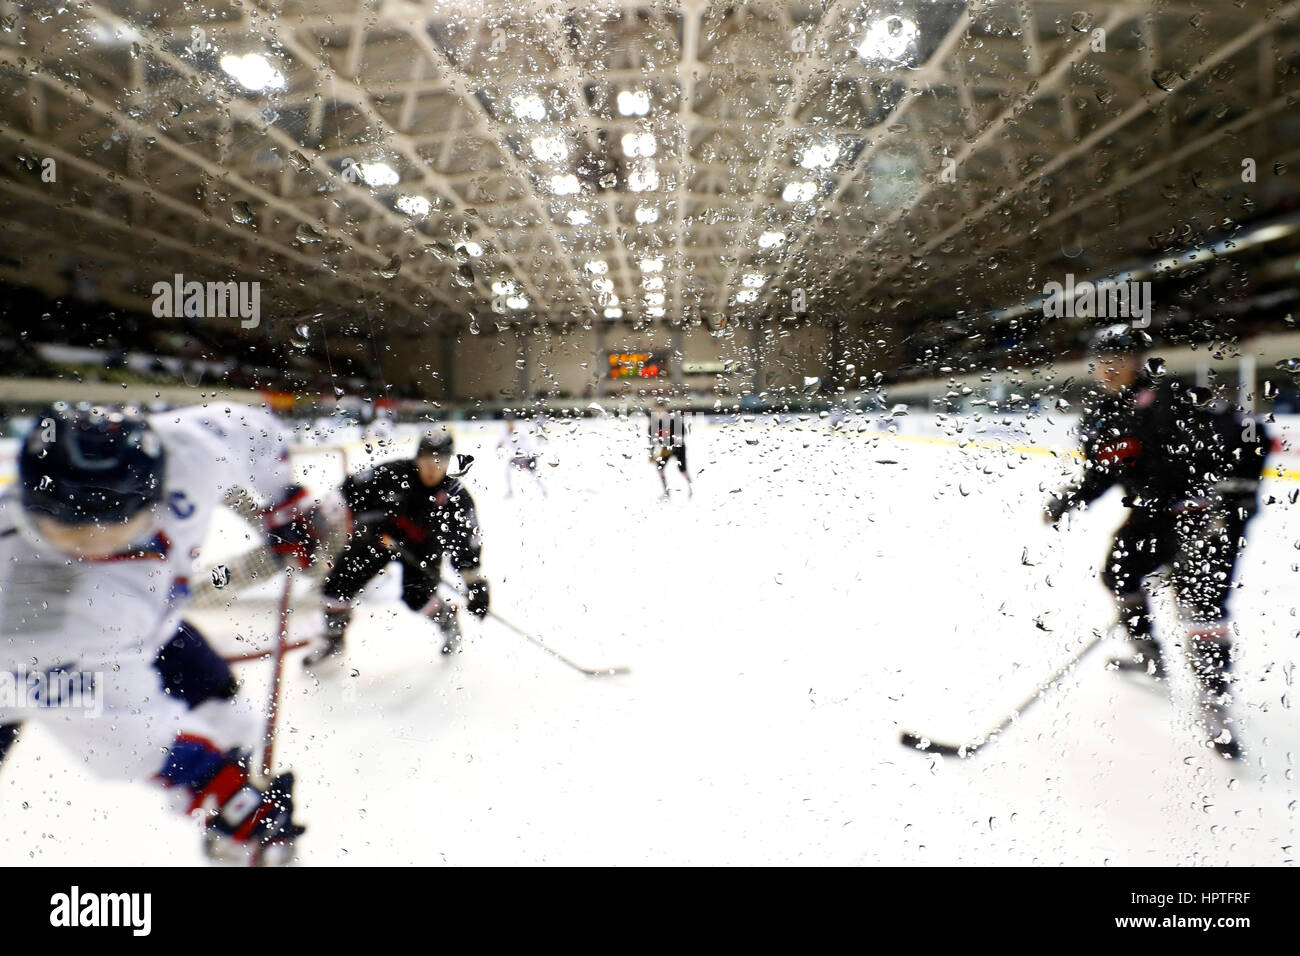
{"points": [[413, 512], [1190, 469], [668, 442]]}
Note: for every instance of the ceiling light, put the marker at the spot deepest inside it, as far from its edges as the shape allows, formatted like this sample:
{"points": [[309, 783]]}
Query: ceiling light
{"points": [[550, 149], [652, 265], [614, 313], [638, 144], [470, 248], [634, 102], [253, 72], [504, 287], [528, 106], [597, 267], [747, 295], [753, 280], [887, 39], [655, 313], [820, 156], [799, 191], [647, 214], [643, 179], [654, 298], [517, 302], [377, 174], [413, 205], [565, 185], [579, 217], [601, 284], [770, 239], [652, 283]]}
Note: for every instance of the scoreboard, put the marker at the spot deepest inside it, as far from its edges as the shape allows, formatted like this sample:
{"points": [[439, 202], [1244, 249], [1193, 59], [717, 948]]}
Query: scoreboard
{"points": [[647, 364]]}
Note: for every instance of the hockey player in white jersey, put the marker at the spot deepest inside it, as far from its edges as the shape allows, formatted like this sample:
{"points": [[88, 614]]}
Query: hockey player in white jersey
{"points": [[520, 456], [97, 545]]}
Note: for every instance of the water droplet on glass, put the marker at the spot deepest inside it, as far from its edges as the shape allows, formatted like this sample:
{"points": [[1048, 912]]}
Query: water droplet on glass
{"points": [[1155, 366], [463, 463], [463, 276], [220, 576], [301, 337], [1081, 22], [390, 268], [305, 233], [241, 212]]}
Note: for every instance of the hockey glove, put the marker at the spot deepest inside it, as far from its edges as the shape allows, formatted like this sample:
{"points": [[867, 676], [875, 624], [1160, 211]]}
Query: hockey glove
{"points": [[1054, 510], [477, 602], [291, 528]]}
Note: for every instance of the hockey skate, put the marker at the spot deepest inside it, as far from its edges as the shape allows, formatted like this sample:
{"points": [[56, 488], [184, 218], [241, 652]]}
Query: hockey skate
{"points": [[1144, 660], [449, 625], [330, 652]]}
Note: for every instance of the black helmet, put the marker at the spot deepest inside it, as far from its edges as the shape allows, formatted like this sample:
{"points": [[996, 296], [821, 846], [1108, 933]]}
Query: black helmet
{"points": [[1114, 340], [436, 441], [84, 465]]}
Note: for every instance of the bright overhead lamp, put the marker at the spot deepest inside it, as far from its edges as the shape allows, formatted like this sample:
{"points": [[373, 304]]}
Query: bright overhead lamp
{"points": [[470, 248], [504, 287], [638, 144], [565, 185], [643, 179], [656, 313], [375, 174], [652, 283], [753, 280], [769, 240], [550, 149], [747, 295], [528, 106], [579, 217], [597, 267], [820, 156], [253, 72], [799, 191], [887, 39], [646, 215], [614, 313], [654, 298], [413, 205], [601, 284], [633, 102], [652, 265], [517, 302]]}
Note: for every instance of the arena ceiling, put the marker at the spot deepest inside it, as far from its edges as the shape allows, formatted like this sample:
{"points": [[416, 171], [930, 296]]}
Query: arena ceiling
{"points": [[900, 162]]}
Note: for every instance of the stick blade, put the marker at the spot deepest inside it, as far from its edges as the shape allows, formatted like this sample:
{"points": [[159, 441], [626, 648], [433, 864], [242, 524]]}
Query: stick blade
{"points": [[607, 671], [926, 745]]}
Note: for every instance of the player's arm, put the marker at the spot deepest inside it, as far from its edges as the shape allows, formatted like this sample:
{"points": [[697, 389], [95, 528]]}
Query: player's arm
{"points": [[257, 462], [1101, 467]]}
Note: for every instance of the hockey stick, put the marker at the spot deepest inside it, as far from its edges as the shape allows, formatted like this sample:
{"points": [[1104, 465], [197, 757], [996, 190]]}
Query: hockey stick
{"points": [[918, 742], [258, 655], [281, 647], [410, 560]]}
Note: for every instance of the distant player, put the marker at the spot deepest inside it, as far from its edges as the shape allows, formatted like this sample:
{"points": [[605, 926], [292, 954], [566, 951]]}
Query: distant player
{"points": [[97, 545], [668, 443], [1190, 470], [412, 512], [521, 456]]}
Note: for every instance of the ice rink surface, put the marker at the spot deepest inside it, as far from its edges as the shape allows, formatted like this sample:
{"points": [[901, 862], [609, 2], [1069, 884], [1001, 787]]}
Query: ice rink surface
{"points": [[822, 591]]}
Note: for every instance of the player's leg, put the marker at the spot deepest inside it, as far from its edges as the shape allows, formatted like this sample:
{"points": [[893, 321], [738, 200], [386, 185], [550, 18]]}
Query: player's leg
{"points": [[510, 477], [1212, 541], [360, 560], [660, 459], [1142, 545], [420, 576], [680, 454]]}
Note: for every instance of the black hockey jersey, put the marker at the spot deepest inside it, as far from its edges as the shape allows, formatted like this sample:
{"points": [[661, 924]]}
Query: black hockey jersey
{"points": [[390, 499], [1165, 445]]}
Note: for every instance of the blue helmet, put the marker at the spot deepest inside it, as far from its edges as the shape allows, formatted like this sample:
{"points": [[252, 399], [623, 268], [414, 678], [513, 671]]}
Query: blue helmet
{"points": [[82, 465]]}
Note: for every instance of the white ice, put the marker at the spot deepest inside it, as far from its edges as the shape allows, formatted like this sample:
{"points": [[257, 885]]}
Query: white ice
{"points": [[820, 593]]}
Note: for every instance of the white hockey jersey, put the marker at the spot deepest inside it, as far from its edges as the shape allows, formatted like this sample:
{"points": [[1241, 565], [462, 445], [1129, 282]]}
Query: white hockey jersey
{"points": [[110, 617]]}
